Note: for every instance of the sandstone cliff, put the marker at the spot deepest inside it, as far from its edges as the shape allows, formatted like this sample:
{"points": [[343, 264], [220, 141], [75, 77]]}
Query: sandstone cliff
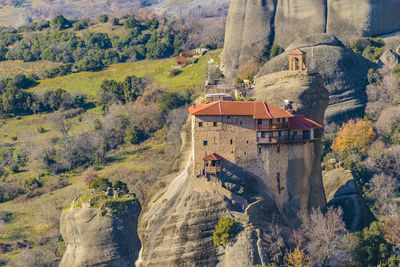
{"points": [[344, 72], [284, 21], [343, 192], [93, 239]]}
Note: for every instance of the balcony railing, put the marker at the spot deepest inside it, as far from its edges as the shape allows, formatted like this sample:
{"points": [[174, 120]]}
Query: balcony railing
{"points": [[282, 139], [273, 126]]}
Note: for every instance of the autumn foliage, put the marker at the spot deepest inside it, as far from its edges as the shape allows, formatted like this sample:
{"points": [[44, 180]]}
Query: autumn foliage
{"points": [[354, 136], [298, 258]]}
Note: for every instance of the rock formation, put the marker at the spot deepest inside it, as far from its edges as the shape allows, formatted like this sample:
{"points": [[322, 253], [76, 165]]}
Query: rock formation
{"points": [[343, 192], [344, 73], [251, 23], [250, 28], [96, 240]]}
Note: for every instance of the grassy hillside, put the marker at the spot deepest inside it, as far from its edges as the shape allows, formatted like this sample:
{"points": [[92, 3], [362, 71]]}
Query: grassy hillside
{"points": [[88, 82], [35, 217]]}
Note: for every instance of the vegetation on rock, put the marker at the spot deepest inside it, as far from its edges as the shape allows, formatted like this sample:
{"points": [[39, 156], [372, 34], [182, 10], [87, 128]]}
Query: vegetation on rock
{"points": [[225, 231]]}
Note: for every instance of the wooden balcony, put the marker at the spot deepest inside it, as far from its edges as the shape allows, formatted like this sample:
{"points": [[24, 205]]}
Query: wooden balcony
{"points": [[212, 169], [283, 139], [273, 126]]}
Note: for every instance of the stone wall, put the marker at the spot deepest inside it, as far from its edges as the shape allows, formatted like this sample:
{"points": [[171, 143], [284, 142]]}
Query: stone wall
{"points": [[284, 168]]}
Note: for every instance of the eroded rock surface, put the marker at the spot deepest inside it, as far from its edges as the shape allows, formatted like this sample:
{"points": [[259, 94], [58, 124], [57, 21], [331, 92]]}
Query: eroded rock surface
{"points": [[96, 240], [344, 73], [250, 23]]}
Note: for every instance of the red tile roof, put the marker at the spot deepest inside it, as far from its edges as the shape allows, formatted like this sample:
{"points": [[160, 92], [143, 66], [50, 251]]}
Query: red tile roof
{"points": [[300, 122], [213, 157], [257, 109], [296, 52]]}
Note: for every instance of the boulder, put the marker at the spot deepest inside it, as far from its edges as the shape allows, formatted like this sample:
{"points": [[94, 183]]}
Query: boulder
{"points": [[343, 71], [95, 240], [390, 59], [342, 192]]}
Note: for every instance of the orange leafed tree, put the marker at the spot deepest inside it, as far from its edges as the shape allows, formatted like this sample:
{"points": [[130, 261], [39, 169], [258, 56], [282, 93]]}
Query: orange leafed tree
{"points": [[298, 258], [354, 136]]}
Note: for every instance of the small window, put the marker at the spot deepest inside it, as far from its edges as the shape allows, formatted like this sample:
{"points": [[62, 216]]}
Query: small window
{"points": [[200, 124], [215, 124], [214, 140], [259, 150], [247, 141], [245, 153], [278, 120], [204, 143], [229, 117], [231, 141], [278, 149], [278, 182], [279, 133], [284, 120], [240, 122], [259, 121], [262, 134]]}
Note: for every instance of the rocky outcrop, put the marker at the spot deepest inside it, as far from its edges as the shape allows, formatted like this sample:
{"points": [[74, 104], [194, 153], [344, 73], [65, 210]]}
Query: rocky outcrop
{"points": [[343, 71], [343, 192], [310, 98], [347, 19], [95, 240], [250, 27], [297, 18], [251, 23]]}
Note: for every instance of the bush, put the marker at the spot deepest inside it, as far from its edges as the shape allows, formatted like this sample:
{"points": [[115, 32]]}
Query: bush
{"points": [[130, 22], [135, 135], [171, 101], [89, 64], [174, 73], [369, 247], [119, 185], [225, 231], [101, 184], [32, 183], [60, 23], [114, 21], [103, 18], [14, 168], [275, 51]]}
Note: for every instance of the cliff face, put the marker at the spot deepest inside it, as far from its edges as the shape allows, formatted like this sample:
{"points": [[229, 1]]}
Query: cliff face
{"points": [[310, 98], [287, 20], [96, 240]]}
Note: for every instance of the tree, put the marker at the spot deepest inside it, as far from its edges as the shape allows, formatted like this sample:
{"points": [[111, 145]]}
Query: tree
{"points": [[225, 231], [60, 22], [391, 229], [130, 22], [61, 122], [170, 101], [354, 136], [135, 135], [369, 247], [298, 258], [324, 233], [103, 18], [382, 189]]}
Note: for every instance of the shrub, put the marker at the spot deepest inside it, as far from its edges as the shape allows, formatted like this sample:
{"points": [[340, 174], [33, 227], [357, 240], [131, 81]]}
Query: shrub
{"points": [[275, 51], [101, 184], [130, 22], [369, 247], [32, 183], [103, 18], [114, 21], [119, 185], [14, 168], [171, 101], [135, 135], [60, 23], [174, 73], [225, 231]]}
